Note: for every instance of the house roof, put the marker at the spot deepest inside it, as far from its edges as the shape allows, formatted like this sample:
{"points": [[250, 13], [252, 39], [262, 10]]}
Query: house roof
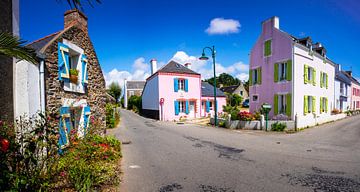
{"points": [[353, 80], [135, 84], [37, 45], [207, 90], [229, 89], [343, 77], [174, 67]]}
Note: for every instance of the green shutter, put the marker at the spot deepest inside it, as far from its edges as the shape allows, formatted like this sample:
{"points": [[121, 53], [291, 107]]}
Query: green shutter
{"points": [[326, 105], [321, 79], [250, 77], [314, 76], [267, 48], [313, 104], [327, 80], [321, 104], [259, 75], [276, 72], [306, 74], [288, 104], [306, 106], [276, 104], [289, 70]]}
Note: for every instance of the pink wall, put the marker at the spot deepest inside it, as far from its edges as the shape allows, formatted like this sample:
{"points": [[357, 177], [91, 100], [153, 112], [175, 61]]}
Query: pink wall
{"points": [[166, 91], [220, 100], [354, 96], [281, 50]]}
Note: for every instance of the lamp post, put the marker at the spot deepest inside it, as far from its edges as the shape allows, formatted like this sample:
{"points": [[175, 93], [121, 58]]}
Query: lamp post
{"points": [[204, 57]]}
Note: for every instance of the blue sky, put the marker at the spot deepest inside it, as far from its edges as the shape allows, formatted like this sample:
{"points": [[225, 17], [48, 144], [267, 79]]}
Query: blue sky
{"points": [[128, 33]]}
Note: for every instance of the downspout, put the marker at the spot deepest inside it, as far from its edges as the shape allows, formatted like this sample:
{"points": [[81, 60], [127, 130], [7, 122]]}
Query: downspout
{"points": [[293, 86], [42, 82]]}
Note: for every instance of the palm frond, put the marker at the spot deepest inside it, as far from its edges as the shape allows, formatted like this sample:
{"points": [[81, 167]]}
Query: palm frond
{"points": [[78, 4], [13, 46]]}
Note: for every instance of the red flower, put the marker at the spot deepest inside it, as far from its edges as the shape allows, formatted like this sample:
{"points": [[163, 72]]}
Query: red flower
{"points": [[4, 144], [62, 174]]}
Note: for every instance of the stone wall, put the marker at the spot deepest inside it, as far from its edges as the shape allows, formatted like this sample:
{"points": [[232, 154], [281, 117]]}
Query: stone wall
{"points": [[96, 90]]}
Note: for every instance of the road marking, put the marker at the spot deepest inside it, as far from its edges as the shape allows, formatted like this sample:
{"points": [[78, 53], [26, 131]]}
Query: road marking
{"points": [[134, 167]]}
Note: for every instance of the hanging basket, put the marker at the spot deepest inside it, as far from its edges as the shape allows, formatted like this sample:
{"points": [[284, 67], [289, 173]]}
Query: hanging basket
{"points": [[74, 79]]}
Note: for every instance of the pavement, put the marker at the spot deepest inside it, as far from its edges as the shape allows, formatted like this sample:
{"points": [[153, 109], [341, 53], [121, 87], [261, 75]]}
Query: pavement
{"points": [[165, 156]]}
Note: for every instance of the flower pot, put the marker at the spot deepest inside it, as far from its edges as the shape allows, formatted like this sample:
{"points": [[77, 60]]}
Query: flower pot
{"points": [[74, 79]]}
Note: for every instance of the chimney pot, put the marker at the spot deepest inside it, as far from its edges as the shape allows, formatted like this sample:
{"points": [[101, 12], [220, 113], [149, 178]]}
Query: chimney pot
{"points": [[153, 64], [77, 18], [188, 65]]}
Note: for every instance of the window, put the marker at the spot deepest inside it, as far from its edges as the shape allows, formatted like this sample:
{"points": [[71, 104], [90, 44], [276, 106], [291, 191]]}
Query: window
{"points": [[182, 106], [181, 83], [255, 97], [323, 104], [255, 76], [282, 71], [282, 104], [211, 105], [310, 104], [241, 93], [267, 48], [310, 74], [324, 80]]}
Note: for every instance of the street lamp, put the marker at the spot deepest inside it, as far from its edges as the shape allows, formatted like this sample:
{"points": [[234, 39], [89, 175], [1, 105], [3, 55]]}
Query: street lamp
{"points": [[204, 57]]}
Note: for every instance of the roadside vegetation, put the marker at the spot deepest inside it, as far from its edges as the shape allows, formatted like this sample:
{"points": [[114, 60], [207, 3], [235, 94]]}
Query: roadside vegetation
{"points": [[112, 115], [32, 160], [134, 104]]}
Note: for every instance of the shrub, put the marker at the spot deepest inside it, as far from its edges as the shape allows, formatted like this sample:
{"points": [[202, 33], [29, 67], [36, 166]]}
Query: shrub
{"points": [[335, 111], [135, 104], [112, 115], [233, 111], [222, 124], [246, 116], [278, 126]]}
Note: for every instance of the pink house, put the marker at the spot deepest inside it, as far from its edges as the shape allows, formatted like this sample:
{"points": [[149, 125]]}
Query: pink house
{"points": [[174, 92], [355, 92]]}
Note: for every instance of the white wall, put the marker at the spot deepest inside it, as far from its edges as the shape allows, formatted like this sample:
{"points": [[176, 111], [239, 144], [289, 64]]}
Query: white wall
{"points": [[27, 89], [302, 57], [150, 95]]}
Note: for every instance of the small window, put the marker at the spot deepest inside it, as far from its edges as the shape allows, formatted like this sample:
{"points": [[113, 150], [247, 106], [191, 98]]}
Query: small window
{"points": [[181, 83], [255, 97], [323, 104], [282, 104], [267, 48], [241, 93], [310, 74], [255, 77], [282, 71], [182, 106], [310, 104]]}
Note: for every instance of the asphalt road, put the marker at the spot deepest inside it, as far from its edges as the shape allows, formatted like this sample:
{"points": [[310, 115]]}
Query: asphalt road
{"points": [[164, 157]]}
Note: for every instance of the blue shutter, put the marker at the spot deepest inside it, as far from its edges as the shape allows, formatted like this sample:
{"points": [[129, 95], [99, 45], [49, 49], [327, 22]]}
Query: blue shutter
{"points": [[86, 118], [207, 106], [186, 85], [187, 107], [176, 85], [63, 125], [84, 78], [176, 107], [216, 105], [63, 61]]}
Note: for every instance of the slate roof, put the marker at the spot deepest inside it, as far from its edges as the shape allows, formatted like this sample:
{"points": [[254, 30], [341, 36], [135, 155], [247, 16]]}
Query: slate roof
{"points": [[174, 67], [343, 77], [135, 84], [229, 89], [207, 90], [37, 45]]}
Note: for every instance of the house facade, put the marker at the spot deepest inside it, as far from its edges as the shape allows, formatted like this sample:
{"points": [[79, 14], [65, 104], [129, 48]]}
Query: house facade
{"points": [[207, 100], [173, 92], [236, 89], [293, 75], [342, 90], [355, 92], [132, 88], [52, 85]]}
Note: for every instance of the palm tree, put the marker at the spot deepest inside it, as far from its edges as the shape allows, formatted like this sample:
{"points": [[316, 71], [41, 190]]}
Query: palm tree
{"points": [[13, 46], [79, 3]]}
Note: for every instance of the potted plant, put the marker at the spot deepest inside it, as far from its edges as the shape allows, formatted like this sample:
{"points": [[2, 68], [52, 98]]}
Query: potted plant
{"points": [[74, 75]]}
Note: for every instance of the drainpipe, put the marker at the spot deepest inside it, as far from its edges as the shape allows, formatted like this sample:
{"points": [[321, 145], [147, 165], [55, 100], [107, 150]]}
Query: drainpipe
{"points": [[293, 85], [42, 82]]}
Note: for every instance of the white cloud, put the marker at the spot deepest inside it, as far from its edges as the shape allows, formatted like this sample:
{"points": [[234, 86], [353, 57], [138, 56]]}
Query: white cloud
{"points": [[223, 26], [238, 69]]}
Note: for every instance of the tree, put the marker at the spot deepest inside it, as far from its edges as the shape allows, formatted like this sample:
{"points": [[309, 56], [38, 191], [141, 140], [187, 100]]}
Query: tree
{"points": [[79, 3], [13, 46], [114, 90], [246, 85], [224, 79], [234, 99]]}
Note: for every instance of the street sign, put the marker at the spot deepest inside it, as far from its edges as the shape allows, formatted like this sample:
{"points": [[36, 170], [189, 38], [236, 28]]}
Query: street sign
{"points": [[162, 101]]}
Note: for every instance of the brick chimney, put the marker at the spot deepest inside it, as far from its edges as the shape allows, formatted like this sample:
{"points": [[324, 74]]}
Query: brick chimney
{"points": [[77, 17]]}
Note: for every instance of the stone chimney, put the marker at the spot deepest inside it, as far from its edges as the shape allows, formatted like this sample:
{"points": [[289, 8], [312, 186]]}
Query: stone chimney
{"points": [[188, 65], [271, 23], [153, 63], [349, 73], [77, 17]]}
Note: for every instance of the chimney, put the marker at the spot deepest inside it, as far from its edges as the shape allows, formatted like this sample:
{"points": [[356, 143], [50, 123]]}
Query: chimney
{"points": [[188, 65], [77, 17], [153, 66], [349, 73], [271, 23]]}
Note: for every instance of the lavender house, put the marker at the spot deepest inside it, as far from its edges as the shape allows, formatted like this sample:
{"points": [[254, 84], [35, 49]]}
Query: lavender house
{"points": [[293, 75]]}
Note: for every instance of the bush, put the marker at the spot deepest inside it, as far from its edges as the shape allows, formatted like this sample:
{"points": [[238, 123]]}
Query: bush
{"points": [[112, 115], [222, 124], [233, 99], [135, 103], [278, 126], [335, 111], [233, 111], [246, 116]]}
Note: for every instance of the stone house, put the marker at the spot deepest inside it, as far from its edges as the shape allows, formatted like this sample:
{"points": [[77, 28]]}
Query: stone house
{"points": [[132, 88], [236, 89], [49, 86]]}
